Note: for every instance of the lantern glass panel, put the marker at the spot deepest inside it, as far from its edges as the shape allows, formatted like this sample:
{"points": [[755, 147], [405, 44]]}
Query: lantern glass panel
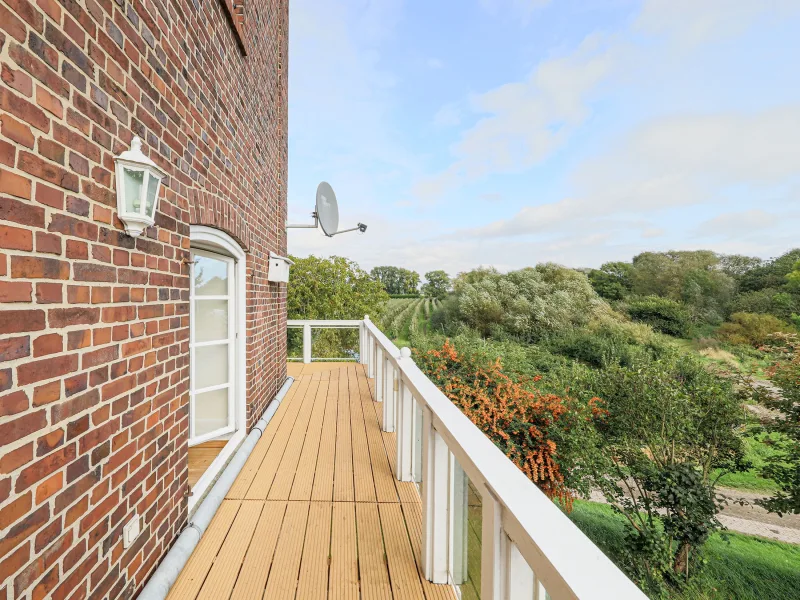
{"points": [[133, 189], [152, 189]]}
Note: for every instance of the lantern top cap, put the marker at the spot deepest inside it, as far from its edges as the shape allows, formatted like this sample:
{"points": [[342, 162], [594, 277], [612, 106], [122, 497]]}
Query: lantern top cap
{"points": [[136, 157]]}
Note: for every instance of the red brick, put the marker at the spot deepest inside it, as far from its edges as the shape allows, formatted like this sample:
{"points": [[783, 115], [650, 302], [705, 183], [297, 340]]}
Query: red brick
{"points": [[66, 317], [24, 110], [47, 393], [6, 379], [11, 431], [16, 131], [8, 154], [14, 348], [48, 243], [15, 291], [49, 196], [13, 403], [52, 150], [32, 164], [73, 406], [49, 293], [48, 487], [10, 23], [77, 250], [20, 321], [16, 185], [15, 459], [99, 357], [15, 562], [67, 225], [51, 9], [44, 467], [47, 368], [18, 80], [16, 238], [24, 528], [79, 339], [93, 272], [49, 441], [21, 212], [34, 267], [50, 343]]}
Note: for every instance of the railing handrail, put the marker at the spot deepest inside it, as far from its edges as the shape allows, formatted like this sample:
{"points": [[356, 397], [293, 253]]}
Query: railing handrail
{"points": [[563, 559], [325, 323]]}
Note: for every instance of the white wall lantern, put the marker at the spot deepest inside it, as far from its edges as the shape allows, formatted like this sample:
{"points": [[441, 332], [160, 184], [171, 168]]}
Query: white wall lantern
{"points": [[138, 185]]}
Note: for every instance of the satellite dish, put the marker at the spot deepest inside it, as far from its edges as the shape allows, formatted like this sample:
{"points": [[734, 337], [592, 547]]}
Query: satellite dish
{"points": [[326, 214], [327, 209]]}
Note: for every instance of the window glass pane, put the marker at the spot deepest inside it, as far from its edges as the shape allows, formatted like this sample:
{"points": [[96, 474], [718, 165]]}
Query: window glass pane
{"points": [[133, 189], [152, 187], [210, 365], [210, 320], [210, 411], [210, 276], [467, 525]]}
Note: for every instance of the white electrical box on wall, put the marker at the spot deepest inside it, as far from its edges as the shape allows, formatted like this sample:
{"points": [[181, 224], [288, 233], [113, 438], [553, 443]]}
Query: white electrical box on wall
{"points": [[278, 268], [131, 531]]}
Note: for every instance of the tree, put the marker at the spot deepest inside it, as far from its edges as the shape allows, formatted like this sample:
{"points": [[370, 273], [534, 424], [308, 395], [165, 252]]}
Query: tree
{"points": [[397, 280], [662, 314], [528, 303], [771, 274], [784, 466], [669, 434], [437, 284], [692, 277], [737, 265], [331, 288], [612, 280]]}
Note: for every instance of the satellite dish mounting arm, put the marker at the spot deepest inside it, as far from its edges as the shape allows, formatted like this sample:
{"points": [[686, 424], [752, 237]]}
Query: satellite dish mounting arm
{"points": [[314, 215]]}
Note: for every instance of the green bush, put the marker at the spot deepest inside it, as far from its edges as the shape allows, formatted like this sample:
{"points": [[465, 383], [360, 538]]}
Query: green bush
{"points": [[662, 314], [751, 329]]}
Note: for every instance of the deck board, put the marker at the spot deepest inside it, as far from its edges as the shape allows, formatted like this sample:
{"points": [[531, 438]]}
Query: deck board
{"points": [[317, 511]]}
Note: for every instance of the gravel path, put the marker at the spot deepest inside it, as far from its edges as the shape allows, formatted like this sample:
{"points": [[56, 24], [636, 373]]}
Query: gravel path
{"points": [[750, 519]]}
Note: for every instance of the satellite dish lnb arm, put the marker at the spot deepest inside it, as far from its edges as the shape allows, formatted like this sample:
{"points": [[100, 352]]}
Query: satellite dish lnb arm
{"points": [[360, 227]]}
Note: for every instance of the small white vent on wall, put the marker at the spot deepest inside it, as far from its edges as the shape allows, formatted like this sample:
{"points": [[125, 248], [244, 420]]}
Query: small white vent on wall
{"points": [[278, 268]]}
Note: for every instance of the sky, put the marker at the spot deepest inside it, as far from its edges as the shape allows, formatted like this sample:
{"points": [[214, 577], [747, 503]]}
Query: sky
{"points": [[512, 132]]}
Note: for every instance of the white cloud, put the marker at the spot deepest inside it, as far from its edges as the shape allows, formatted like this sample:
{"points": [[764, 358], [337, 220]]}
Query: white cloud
{"points": [[447, 116], [435, 63], [669, 163], [693, 22], [525, 122], [737, 224]]}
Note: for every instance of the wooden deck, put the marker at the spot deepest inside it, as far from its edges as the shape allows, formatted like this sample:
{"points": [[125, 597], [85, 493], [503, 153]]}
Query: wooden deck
{"points": [[316, 511]]}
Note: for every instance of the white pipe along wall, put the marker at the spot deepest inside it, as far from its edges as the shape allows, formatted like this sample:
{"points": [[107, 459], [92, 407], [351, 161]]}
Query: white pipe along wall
{"points": [[163, 578]]}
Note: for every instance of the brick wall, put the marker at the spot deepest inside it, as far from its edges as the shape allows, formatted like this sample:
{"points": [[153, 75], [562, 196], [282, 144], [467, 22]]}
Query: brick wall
{"points": [[94, 324]]}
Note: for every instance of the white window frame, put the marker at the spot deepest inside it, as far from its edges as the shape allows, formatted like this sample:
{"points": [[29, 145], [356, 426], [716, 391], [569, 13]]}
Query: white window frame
{"points": [[208, 239]]}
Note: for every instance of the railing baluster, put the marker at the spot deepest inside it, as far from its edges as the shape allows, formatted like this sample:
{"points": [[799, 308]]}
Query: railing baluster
{"points": [[306, 343], [492, 555], [520, 583], [405, 427], [435, 485], [389, 397], [379, 374]]}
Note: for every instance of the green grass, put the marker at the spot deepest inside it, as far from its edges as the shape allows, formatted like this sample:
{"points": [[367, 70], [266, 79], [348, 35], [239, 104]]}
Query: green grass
{"points": [[740, 567], [757, 450]]}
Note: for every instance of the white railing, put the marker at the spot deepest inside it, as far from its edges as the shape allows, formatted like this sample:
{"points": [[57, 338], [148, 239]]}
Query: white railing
{"points": [[308, 325], [529, 548]]}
